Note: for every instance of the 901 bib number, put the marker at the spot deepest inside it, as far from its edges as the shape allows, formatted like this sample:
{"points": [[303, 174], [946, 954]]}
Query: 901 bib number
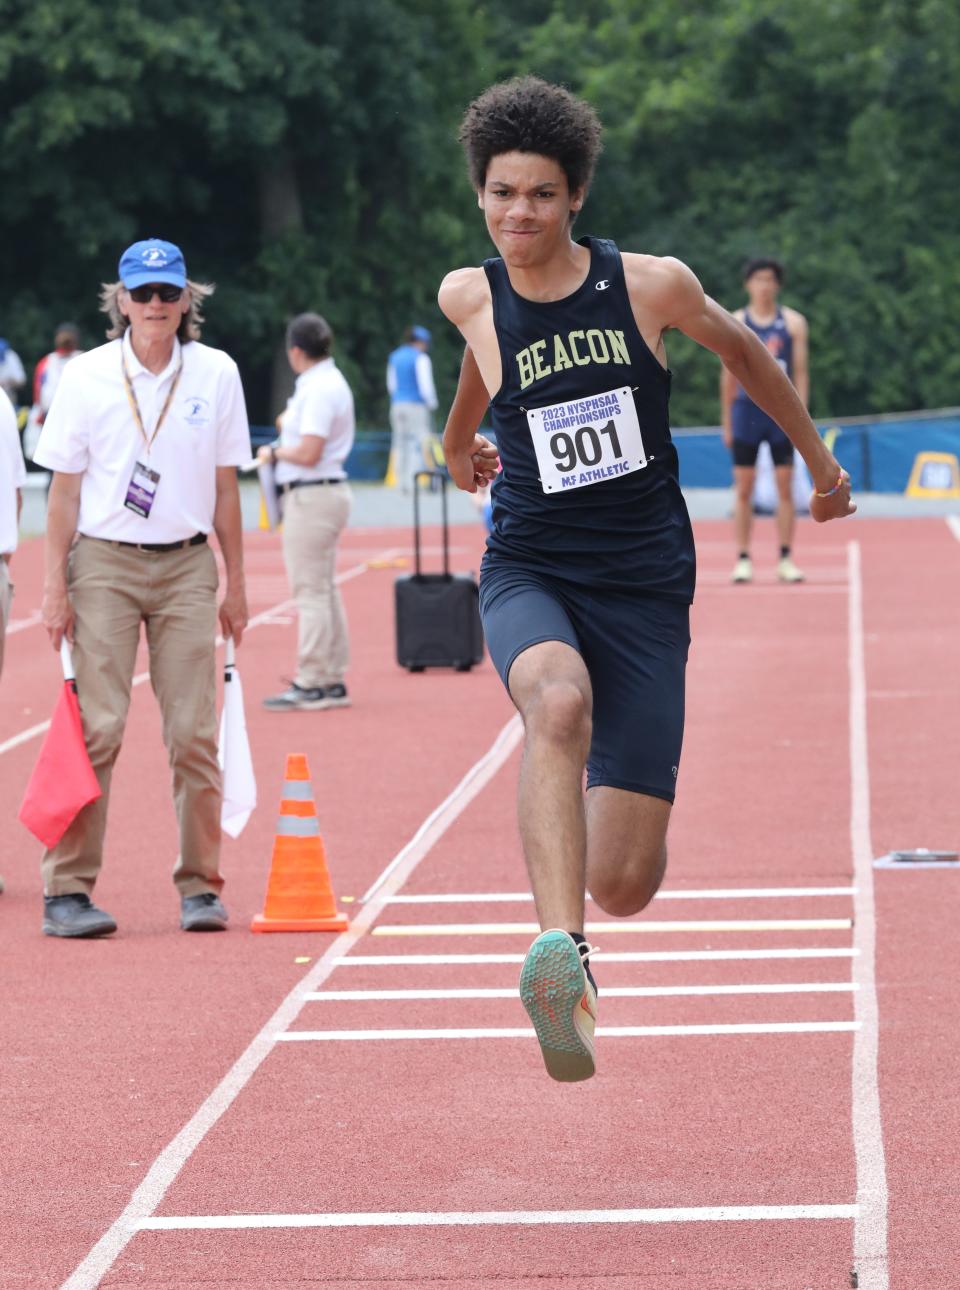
{"points": [[587, 441]]}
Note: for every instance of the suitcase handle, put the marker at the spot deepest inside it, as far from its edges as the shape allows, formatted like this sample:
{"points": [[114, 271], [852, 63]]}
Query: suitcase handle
{"points": [[442, 476]]}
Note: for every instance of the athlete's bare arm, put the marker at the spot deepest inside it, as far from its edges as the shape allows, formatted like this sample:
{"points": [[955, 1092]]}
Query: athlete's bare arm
{"points": [[664, 293], [799, 333], [471, 458]]}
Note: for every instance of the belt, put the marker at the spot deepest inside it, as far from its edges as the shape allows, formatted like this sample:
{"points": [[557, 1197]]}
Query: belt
{"points": [[198, 539], [308, 483]]}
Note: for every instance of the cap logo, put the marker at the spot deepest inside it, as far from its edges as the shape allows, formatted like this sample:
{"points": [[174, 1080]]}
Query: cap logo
{"points": [[155, 256]]}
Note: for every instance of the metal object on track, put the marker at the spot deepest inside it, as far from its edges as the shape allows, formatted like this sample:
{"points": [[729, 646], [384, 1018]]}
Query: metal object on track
{"points": [[920, 858]]}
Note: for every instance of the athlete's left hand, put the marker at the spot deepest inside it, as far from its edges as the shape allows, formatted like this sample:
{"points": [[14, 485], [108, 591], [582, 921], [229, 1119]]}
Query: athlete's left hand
{"points": [[838, 505], [476, 467]]}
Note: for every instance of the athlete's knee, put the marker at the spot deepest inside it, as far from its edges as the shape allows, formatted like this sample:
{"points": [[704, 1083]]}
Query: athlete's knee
{"points": [[627, 887], [559, 712]]}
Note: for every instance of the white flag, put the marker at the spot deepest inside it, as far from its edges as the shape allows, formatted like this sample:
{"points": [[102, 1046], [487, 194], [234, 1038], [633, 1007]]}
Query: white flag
{"points": [[239, 784]]}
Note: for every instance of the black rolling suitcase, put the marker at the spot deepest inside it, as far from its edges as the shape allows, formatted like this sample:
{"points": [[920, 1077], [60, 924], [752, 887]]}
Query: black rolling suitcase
{"points": [[438, 614]]}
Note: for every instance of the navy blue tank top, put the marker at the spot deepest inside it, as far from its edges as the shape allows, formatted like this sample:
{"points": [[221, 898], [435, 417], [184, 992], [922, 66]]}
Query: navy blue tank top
{"points": [[777, 340], [589, 491]]}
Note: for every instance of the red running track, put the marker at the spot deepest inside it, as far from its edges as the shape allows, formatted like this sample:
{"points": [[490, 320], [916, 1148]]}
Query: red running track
{"points": [[178, 1112]]}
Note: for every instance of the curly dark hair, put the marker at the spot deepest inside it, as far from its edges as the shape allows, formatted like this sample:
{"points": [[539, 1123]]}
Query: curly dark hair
{"points": [[527, 114], [763, 262]]}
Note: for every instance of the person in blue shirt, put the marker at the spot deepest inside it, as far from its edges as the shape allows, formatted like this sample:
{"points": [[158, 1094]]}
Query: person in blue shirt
{"points": [[586, 583], [745, 425], [413, 400]]}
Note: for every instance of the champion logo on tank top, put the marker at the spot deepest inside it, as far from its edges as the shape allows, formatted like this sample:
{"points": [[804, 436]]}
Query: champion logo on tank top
{"points": [[588, 489]]}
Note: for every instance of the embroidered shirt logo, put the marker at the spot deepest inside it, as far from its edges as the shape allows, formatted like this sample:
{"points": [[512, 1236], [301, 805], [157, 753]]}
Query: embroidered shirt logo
{"points": [[602, 285], [196, 411]]}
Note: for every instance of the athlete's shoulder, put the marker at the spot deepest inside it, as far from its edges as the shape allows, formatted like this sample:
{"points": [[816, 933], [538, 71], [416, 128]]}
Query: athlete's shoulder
{"points": [[796, 322], [463, 293], [663, 284]]}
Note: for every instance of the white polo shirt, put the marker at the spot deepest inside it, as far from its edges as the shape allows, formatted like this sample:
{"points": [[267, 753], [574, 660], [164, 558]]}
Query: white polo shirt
{"points": [[321, 405], [13, 475], [91, 430]]}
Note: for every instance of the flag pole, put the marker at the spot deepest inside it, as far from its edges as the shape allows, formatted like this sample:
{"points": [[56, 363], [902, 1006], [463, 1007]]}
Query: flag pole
{"points": [[66, 660]]}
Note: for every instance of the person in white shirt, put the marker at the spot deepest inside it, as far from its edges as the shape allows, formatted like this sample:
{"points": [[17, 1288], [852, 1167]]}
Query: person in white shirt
{"points": [[316, 435], [144, 437], [13, 475], [413, 400]]}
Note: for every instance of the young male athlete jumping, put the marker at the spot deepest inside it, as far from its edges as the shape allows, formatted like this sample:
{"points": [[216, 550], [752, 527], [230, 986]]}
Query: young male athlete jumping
{"points": [[589, 572]]}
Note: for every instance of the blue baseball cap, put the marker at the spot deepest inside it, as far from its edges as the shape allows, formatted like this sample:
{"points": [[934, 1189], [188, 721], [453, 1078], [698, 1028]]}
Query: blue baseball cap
{"points": [[152, 261], [420, 333]]}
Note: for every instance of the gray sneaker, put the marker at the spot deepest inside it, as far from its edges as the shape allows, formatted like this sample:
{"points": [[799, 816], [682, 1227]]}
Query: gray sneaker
{"points": [[75, 915], [294, 698], [203, 913], [298, 699]]}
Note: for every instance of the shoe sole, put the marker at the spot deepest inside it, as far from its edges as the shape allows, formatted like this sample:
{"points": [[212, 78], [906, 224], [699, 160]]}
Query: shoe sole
{"points": [[204, 925], [54, 929], [317, 706], [551, 987]]}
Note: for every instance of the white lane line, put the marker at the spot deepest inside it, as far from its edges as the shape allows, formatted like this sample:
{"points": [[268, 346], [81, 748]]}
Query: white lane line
{"points": [[21, 624], [719, 893], [953, 523], [870, 1231], [609, 1032], [609, 992], [613, 956], [167, 1165], [606, 929], [500, 1218], [264, 619], [475, 779]]}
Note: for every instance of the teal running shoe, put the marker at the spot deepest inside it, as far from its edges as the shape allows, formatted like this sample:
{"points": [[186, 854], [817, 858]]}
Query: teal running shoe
{"points": [[562, 1004]]}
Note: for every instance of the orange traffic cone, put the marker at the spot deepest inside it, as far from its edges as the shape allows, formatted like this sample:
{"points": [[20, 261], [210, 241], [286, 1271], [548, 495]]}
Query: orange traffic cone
{"points": [[299, 895]]}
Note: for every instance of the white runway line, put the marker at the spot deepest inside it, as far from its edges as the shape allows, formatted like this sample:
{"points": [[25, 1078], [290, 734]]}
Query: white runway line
{"points": [[475, 779], [21, 624], [715, 893], [167, 1165], [609, 1032], [651, 927], [613, 956], [870, 1231], [264, 619], [609, 992], [501, 1218]]}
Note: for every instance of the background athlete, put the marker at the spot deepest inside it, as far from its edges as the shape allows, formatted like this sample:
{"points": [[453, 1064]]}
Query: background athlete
{"points": [[746, 425], [589, 570]]}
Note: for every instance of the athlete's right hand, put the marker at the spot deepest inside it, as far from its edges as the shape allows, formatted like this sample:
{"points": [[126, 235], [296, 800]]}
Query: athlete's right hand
{"points": [[56, 614], [727, 434], [475, 466]]}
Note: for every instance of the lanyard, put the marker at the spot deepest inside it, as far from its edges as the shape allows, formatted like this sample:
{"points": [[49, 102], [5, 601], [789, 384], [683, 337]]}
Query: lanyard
{"points": [[135, 406]]}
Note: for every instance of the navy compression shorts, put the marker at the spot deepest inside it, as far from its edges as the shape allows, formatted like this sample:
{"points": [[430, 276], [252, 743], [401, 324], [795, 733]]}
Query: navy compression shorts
{"points": [[750, 426], [635, 651]]}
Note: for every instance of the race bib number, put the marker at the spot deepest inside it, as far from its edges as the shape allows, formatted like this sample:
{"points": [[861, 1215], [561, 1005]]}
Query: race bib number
{"points": [[141, 490], [587, 441]]}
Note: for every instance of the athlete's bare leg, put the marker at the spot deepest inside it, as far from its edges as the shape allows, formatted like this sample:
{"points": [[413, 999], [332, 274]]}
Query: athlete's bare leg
{"points": [[626, 848], [786, 511], [550, 686], [743, 481]]}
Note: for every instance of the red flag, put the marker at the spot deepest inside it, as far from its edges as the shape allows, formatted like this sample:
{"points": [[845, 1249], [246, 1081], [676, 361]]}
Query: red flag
{"points": [[63, 781]]}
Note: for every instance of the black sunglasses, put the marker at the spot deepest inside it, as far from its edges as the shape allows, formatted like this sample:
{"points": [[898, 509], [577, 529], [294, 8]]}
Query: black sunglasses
{"points": [[167, 292]]}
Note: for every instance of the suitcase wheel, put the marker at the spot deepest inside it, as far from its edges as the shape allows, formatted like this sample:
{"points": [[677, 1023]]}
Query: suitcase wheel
{"points": [[463, 667]]}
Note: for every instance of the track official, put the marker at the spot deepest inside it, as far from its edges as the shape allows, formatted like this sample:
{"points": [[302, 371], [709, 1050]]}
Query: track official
{"points": [[316, 435], [144, 437]]}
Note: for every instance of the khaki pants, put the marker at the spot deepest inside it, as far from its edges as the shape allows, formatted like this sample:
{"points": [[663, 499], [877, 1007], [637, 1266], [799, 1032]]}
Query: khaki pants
{"points": [[6, 596], [411, 424], [113, 590], [313, 519]]}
